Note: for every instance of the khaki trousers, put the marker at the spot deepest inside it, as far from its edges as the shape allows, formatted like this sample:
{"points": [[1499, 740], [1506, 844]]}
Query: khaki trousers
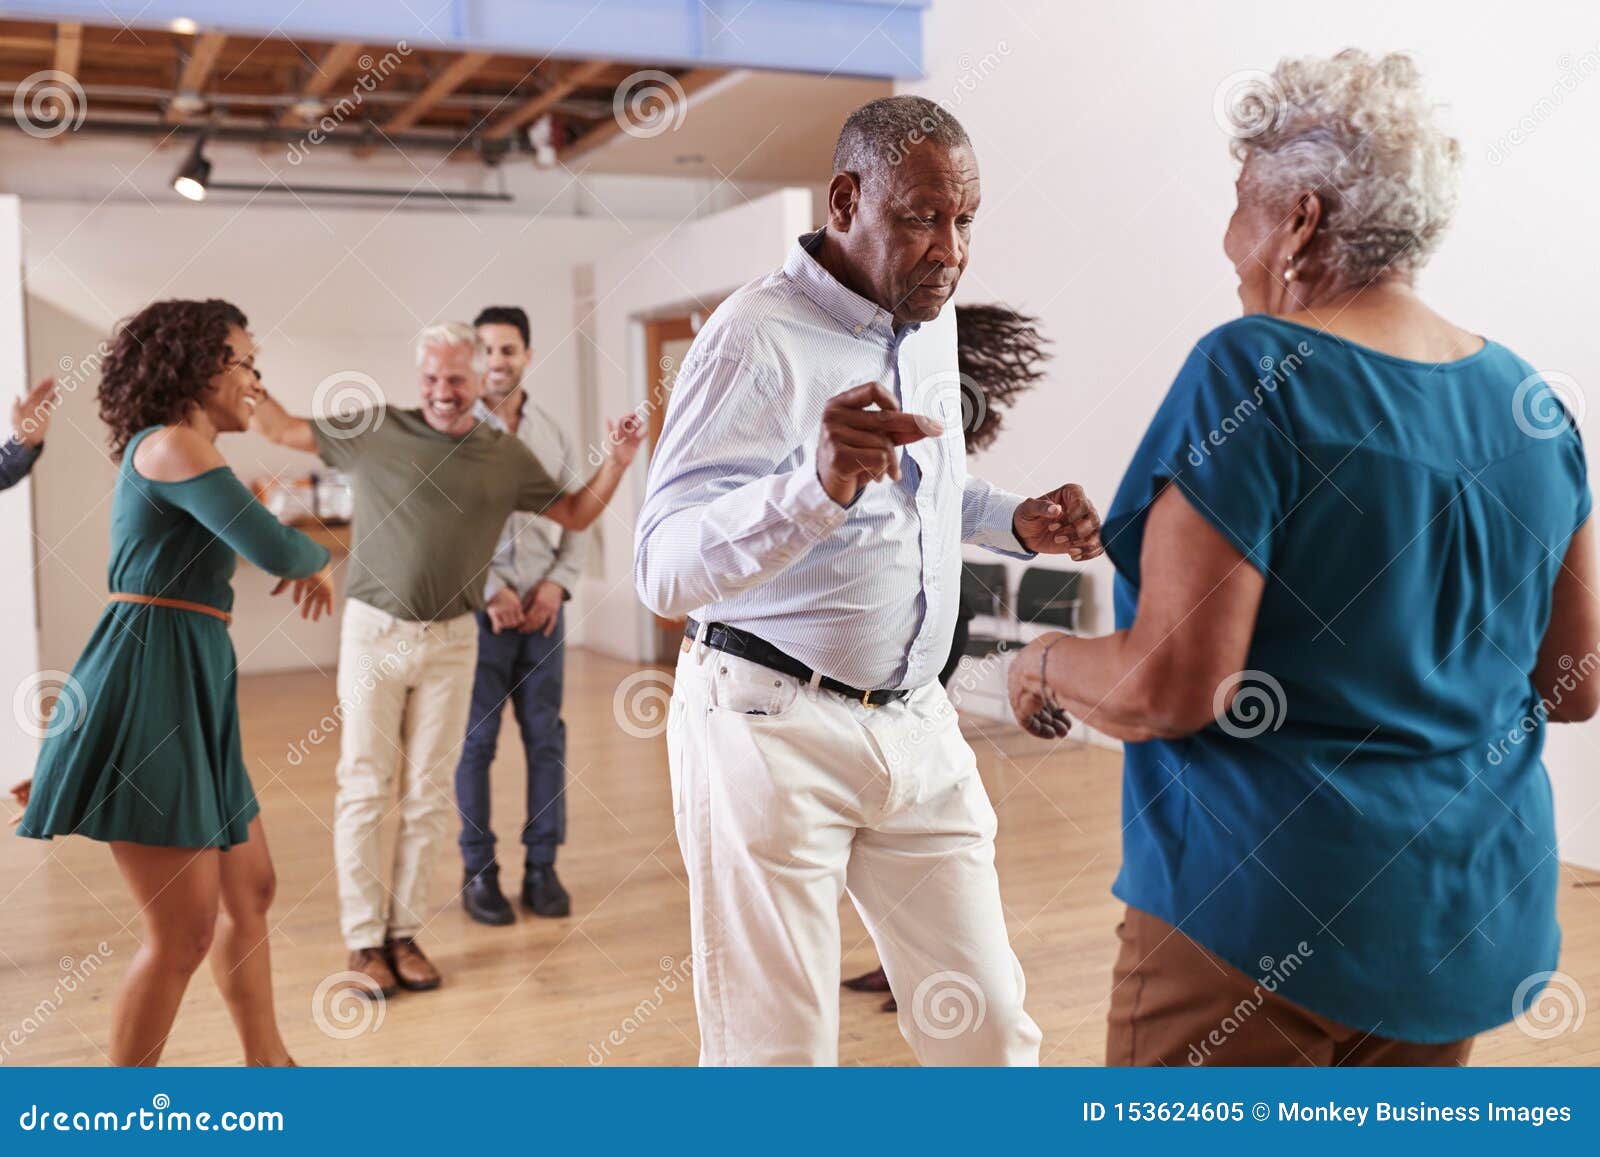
{"points": [[405, 690], [1175, 1003], [785, 798]]}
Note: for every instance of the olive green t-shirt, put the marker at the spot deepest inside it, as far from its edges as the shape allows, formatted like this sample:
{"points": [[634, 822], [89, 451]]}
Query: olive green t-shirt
{"points": [[429, 508]]}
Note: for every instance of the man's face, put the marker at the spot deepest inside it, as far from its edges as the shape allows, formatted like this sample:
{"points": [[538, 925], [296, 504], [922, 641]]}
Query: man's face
{"points": [[449, 387], [910, 229], [508, 359]]}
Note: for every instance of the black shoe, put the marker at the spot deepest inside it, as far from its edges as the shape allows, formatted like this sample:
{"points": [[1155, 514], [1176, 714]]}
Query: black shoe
{"points": [[542, 893], [483, 899]]}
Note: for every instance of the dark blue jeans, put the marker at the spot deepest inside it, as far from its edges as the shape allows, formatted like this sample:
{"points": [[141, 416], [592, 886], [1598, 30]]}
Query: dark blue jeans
{"points": [[526, 669]]}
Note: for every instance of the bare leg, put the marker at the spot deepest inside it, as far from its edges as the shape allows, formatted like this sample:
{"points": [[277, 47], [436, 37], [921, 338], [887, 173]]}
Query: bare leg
{"points": [[176, 890], [241, 962]]}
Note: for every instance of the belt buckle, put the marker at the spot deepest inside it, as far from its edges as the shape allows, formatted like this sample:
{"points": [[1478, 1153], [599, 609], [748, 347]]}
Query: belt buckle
{"points": [[866, 700]]}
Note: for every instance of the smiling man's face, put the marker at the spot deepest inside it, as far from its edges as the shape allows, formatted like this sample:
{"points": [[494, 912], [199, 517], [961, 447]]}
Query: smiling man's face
{"points": [[508, 357], [909, 234], [449, 387]]}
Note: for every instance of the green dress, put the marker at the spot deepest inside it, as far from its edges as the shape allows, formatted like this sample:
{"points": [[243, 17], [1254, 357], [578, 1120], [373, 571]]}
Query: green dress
{"points": [[143, 742]]}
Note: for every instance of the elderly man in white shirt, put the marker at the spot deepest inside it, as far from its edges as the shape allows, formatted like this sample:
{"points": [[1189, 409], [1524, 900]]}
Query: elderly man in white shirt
{"points": [[814, 544]]}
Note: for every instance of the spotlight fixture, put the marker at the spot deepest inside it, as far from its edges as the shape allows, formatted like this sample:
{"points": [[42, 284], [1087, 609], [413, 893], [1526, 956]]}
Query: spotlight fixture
{"points": [[191, 177]]}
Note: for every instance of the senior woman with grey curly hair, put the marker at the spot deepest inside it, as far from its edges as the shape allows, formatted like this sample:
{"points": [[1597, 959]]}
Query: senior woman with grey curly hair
{"points": [[1354, 564]]}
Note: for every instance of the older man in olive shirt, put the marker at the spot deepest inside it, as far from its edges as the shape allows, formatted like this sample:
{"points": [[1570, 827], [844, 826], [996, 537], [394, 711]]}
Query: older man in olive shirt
{"points": [[433, 489]]}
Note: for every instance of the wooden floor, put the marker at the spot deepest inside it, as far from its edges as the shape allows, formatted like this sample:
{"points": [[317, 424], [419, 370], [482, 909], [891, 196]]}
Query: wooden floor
{"points": [[562, 992]]}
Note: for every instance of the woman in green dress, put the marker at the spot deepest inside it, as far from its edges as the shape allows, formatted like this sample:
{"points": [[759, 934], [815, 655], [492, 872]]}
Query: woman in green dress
{"points": [[142, 747]]}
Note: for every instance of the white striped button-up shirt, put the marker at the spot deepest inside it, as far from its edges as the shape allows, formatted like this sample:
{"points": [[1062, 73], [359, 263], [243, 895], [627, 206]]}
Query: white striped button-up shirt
{"points": [[736, 527]]}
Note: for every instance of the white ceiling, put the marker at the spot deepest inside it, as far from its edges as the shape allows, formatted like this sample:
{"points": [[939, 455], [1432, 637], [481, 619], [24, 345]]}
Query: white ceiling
{"points": [[756, 126]]}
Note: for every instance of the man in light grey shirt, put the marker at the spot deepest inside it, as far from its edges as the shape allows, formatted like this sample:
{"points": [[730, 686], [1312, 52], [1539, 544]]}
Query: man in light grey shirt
{"points": [[535, 569]]}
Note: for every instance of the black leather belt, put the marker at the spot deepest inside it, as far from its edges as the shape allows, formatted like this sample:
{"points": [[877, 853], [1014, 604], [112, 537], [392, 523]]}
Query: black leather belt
{"points": [[733, 641]]}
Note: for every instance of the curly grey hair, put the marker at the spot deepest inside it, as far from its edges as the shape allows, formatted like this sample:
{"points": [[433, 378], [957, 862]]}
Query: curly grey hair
{"points": [[1360, 132]]}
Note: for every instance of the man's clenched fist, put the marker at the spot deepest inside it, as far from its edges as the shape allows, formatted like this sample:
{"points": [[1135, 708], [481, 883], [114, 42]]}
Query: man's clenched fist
{"points": [[858, 445]]}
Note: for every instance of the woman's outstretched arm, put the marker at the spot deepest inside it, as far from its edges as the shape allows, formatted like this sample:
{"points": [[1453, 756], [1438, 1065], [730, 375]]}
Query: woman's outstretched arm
{"points": [[1198, 600]]}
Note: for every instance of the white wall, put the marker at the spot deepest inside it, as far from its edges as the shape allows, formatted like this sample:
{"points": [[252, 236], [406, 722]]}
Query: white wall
{"points": [[326, 290], [684, 269], [18, 625], [1107, 185]]}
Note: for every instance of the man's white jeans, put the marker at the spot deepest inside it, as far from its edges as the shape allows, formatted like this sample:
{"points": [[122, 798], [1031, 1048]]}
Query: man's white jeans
{"points": [[785, 797], [405, 691]]}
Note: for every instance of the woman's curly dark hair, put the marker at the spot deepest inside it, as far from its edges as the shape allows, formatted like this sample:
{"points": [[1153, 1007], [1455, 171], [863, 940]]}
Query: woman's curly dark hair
{"points": [[1000, 354], [162, 361]]}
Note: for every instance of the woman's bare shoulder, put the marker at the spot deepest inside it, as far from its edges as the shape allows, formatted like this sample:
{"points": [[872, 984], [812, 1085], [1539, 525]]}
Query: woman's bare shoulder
{"points": [[176, 454]]}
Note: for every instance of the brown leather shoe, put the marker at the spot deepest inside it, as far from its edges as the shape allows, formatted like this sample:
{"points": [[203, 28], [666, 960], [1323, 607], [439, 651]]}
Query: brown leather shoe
{"points": [[412, 969], [371, 964]]}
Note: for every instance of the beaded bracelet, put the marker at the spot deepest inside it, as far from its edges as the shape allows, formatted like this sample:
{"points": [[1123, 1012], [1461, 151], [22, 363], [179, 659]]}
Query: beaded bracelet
{"points": [[1044, 681]]}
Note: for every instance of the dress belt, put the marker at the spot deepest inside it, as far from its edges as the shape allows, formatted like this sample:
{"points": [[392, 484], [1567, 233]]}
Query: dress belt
{"points": [[175, 604], [733, 641]]}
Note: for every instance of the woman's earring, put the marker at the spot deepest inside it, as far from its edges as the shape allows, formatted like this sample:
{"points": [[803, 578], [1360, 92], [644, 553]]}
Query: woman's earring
{"points": [[1288, 273]]}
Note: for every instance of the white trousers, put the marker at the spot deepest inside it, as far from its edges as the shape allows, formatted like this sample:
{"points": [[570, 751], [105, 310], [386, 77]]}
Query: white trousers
{"points": [[405, 692], [786, 797]]}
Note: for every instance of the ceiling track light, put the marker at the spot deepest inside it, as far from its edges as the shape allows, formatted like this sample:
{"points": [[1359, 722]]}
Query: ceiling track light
{"points": [[194, 174], [193, 181]]}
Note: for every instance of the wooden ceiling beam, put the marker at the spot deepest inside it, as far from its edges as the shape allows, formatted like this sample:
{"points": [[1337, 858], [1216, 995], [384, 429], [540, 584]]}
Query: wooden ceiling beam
{"points": [[69, 48], [334, 64], [197, 68], [569, 82], [454, 75]]}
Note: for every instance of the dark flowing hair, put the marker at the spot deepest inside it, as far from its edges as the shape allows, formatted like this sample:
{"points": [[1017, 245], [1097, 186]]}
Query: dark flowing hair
{"points": [[1000, 354], [161, 363]]}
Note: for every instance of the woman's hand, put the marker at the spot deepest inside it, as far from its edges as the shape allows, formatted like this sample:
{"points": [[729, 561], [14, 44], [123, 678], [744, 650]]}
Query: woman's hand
{"points": [[21, 791], [313, 595], [1037, 714]]}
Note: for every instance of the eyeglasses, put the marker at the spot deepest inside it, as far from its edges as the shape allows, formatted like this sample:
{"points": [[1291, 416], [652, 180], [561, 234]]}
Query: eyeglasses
{"points": [[247, 363]]}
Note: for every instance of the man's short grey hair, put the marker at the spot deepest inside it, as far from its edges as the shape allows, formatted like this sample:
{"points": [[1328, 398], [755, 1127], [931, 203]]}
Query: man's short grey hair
{"points": [[451, 334], [880, 133], [1360, 132]]}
